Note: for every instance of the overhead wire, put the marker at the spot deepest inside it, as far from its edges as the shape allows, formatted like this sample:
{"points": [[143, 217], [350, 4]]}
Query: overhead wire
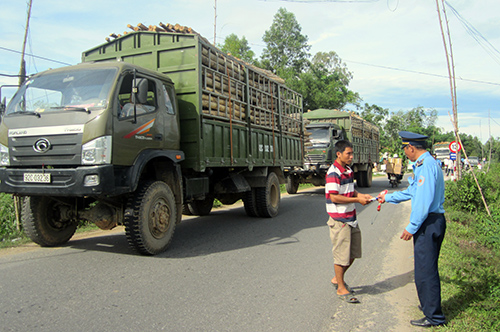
{"points": [[476, 35], [35, 56], [419, 72]]}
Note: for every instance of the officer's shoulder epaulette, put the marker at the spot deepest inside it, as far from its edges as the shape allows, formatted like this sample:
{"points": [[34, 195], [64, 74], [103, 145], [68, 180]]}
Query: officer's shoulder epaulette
{"points": [[419, 163]]}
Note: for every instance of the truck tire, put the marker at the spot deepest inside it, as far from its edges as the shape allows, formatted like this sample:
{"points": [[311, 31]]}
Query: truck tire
{"points": [[42, 222], [185, 210], [367, 177], [250, 203], [292, 184], [268, 197], [201, 208], [150, 218], [360, 179]]}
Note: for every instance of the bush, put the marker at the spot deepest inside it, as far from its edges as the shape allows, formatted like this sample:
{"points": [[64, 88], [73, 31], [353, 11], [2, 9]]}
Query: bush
{"points": [[464, 195], [8, 228]]}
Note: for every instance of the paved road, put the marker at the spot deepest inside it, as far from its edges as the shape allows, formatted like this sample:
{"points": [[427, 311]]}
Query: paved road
{"points": [[223, 272]]}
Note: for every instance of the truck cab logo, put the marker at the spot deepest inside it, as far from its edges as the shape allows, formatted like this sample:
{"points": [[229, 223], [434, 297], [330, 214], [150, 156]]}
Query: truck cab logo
{"points": [[42, 145]]}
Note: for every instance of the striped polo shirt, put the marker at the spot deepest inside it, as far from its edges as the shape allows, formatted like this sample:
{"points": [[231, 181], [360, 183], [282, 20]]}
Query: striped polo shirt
{"points": [[340, 180]]}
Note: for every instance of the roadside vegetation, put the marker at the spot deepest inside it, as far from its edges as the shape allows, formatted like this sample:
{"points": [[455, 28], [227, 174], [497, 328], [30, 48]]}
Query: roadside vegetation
{"points": [[470, 257]]}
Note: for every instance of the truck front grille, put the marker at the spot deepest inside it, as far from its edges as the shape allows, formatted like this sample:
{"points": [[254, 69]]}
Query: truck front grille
{"points": [[63, 150], [315, 158]]}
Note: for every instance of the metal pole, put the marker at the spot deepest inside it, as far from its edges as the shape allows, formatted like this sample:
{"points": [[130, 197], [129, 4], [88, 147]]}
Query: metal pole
{"points": [[22, 71]]}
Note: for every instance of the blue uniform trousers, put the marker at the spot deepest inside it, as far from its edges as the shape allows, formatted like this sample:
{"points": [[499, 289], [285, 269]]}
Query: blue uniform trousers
{"points": [[427, 244]]}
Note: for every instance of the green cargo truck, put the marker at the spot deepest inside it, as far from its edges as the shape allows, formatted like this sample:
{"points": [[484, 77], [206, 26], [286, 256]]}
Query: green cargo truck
{"points": [[150, 125], [324, 128]]}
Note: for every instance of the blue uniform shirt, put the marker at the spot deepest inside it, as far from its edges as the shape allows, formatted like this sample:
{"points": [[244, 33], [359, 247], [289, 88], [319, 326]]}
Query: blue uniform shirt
{"points": [[426, 191]]}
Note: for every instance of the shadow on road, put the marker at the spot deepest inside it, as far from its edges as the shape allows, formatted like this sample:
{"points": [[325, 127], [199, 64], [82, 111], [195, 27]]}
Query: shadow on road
{"points": [[231, 229], [228, 229], [386, 285]]}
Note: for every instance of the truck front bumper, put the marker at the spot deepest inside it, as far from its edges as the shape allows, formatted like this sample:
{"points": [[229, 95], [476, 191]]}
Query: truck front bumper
{"points": [[85, 180]]}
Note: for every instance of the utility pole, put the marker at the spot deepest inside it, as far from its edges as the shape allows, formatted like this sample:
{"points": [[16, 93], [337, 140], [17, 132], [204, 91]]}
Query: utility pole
{"points": [[215, 20], [22, 71]]}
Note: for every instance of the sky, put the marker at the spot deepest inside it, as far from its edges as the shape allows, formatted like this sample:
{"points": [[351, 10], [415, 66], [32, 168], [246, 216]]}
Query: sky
{"points": [[394, 48]]}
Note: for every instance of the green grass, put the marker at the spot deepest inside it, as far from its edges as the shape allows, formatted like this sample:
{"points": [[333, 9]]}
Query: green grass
{"points": [[469, 264], [470, 280]]}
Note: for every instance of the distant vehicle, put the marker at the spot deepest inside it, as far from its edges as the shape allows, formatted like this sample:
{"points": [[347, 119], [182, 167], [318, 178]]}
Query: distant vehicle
{"points": [[441, 150], [325, 128], [473, 161]]}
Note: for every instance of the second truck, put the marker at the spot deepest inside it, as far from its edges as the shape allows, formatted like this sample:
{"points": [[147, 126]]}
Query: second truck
{"points": [[324, 128]]}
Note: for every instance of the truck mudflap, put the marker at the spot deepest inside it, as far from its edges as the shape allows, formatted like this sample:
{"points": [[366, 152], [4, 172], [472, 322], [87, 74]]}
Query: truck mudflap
{"points": [[85, 180]]}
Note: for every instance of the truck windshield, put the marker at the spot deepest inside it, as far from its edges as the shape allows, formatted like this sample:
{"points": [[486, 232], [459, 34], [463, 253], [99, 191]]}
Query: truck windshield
{"points": [[74, 90], [319, 134]]}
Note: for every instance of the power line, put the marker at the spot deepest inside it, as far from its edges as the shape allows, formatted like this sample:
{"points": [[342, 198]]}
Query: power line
{"points": [[34, 56], [477, 36], [313, 1], [420, 72], [6, 75]]}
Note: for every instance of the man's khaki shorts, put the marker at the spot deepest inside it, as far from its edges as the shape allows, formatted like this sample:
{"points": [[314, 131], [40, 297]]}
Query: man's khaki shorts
{"points": [[346, 242]]}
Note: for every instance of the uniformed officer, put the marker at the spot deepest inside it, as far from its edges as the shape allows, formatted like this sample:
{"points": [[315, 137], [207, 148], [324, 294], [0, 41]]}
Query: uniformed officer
{"points": [[427, 224]]}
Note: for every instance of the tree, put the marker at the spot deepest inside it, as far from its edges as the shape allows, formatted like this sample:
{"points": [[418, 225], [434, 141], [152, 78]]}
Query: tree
{"points": [[417, 120], [238, 48], [375, 114], [492, 148], [286, 50], [325, 83]]}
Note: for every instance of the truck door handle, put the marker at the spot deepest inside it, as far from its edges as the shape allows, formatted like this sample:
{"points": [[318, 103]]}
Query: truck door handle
{"points": [[158, 137]]}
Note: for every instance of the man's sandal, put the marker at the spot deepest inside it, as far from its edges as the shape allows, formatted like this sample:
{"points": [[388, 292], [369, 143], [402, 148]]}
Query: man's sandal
{"points": [[349, 289], [349, 298]]}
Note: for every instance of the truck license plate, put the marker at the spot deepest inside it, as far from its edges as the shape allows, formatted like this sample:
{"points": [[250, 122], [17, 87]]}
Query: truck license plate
{"points": [[37, 177]]}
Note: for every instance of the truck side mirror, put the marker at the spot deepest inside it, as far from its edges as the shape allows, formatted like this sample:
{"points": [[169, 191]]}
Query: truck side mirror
{"points": [[140, 91]]}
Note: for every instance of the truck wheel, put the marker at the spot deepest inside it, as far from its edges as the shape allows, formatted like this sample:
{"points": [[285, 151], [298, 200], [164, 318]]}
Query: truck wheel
{"points": [[185, 210], [150, 218], [268, 198], [360, 179], [367, 177], [42, 222], [292, 184], [201, 208], [250, 203]]}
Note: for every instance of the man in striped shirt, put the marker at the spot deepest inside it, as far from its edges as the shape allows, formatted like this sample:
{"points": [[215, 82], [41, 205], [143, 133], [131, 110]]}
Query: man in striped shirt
{"points": [[344, 230]]}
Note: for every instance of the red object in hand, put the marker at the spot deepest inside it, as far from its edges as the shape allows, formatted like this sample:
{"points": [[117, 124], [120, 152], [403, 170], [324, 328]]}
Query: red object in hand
{"points": [[378, 207]]}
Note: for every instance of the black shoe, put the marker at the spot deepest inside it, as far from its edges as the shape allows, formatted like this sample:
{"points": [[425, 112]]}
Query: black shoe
{"points": [[423, 322]]}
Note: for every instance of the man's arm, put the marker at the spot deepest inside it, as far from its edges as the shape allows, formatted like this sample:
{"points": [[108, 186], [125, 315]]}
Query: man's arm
{"points": [[362, 199]]}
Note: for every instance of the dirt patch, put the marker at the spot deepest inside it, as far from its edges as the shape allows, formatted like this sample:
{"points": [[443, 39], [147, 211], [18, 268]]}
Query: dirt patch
{"points": [[403, 297]]}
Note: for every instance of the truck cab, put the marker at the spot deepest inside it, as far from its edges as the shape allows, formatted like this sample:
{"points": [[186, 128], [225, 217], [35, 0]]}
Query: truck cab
{"points": [[75, 142], [320, 153], [80, 129]]}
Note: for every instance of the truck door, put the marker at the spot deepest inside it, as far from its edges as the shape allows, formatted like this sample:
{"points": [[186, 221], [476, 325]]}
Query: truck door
{"points": [[143, 130]]}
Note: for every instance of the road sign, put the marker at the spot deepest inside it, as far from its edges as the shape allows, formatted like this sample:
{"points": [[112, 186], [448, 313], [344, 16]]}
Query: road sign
{"points": [[453, 155], [455, 146]]}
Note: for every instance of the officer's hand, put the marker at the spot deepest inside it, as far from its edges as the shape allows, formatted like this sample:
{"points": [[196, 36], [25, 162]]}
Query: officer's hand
{"points": [[406, 235], [364, 199]]}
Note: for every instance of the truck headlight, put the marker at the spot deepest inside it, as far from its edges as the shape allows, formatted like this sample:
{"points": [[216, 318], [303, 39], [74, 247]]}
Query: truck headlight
{"points": [[97, 151], [4, 155]]}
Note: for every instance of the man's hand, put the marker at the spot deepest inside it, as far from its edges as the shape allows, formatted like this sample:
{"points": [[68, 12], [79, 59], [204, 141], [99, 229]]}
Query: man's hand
{"points": [[406, 235], [364, 199]]}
